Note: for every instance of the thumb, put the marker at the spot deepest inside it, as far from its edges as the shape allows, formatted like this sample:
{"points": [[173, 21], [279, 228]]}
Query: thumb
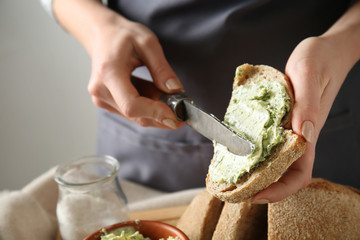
{"points": [[307, 105], [162, 74]]}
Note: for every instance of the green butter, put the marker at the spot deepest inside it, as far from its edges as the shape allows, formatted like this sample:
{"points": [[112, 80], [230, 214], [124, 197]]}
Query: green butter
{"points": [[128, 233], [255, 112], [124, 233]]}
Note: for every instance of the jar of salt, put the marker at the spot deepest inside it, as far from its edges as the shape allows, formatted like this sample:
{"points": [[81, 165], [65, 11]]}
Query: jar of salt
{"points": [[90, 196]]}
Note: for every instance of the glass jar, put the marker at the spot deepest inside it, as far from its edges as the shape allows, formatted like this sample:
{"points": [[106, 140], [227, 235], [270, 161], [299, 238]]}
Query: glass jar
{"points": [[90, 196]]}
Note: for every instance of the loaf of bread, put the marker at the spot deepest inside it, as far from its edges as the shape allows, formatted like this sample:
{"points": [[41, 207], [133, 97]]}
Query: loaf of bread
{"points": [[271, 159], [322, 210], [243, 221], [201, 216]]}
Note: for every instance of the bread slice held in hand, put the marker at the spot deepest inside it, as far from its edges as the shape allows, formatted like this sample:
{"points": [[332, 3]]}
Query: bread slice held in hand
{"points": [[260, 110]]}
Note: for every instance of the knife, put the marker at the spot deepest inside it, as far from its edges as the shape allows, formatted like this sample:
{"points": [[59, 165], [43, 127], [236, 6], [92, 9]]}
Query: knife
{"points": [[207, 124], [204, 123]]}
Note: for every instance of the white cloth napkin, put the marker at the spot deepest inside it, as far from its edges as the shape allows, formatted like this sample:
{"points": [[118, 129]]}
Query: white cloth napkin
{"points": [[30, 213]]}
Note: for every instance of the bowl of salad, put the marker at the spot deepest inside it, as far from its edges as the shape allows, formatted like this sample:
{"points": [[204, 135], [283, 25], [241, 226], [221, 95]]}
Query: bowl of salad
{"points": [[138, 230]]}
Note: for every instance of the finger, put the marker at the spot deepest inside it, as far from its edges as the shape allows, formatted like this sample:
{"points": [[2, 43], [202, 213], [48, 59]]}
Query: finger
{"points": [[96, 88], [150, 52], [137, 108], [296, 177], [128, 103], [108, 107], [141, 107], [307, 100], [101, 96], [141, 120]]}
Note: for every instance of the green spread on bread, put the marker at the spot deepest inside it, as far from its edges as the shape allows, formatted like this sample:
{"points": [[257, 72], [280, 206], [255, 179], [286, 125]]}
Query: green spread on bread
{"points": [[255, 111]]}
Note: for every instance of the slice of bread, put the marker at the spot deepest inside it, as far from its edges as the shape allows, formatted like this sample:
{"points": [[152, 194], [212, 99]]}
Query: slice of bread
{"points": [[282, 155], [199, 220], [322, 210], [243, 221], [256, 73]]}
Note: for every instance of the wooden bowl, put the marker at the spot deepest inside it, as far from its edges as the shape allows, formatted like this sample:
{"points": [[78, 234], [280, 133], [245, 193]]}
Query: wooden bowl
{"points": [[151, 229]]}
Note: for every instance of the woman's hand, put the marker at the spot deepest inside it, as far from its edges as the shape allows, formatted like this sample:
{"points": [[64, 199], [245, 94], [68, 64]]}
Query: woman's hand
{"points": [[117, 46], [117, 50], [317, 68], [316, 76]]}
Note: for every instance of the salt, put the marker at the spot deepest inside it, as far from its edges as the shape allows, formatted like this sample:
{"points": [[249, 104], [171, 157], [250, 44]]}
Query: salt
{"points": [[81, 214], [90, 196]]}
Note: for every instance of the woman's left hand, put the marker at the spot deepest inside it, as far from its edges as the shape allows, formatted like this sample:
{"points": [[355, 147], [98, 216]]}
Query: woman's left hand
{"points": [[316, 76]]}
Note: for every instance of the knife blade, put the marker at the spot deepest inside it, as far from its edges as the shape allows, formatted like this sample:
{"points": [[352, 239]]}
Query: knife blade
{"points": [[207, 124]]}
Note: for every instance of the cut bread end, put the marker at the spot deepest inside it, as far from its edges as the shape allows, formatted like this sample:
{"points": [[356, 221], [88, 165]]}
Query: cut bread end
{"points": [[268, 172]]}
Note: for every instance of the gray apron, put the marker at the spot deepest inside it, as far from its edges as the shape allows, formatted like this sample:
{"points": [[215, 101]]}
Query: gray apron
{"points": [[204, 41]]}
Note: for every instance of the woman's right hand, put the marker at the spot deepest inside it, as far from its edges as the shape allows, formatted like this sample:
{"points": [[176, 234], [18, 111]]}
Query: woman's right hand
{"points": [[117, 46]]}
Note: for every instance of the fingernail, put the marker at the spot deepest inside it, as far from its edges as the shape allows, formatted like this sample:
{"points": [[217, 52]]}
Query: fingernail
{"points": [[260, 201], [307, 130], [169, 123], [173, 84]]}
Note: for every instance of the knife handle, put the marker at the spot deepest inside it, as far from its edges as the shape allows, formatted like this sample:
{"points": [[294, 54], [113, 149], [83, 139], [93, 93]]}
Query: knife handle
{"points": [[176, 103]]}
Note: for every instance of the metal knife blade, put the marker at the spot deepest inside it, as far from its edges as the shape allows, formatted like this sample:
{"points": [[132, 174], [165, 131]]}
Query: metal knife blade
{"points": [[207, 124]]}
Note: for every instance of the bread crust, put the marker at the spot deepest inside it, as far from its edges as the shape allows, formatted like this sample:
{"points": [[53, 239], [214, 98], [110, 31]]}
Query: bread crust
{"points": [[322, 210], [199, 220], [282, 156], [243, 221], [265, 174]]}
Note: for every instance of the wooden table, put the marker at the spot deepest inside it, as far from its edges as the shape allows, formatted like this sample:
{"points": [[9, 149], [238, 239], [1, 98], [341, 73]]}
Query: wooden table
{"points": [[168, 215]]}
